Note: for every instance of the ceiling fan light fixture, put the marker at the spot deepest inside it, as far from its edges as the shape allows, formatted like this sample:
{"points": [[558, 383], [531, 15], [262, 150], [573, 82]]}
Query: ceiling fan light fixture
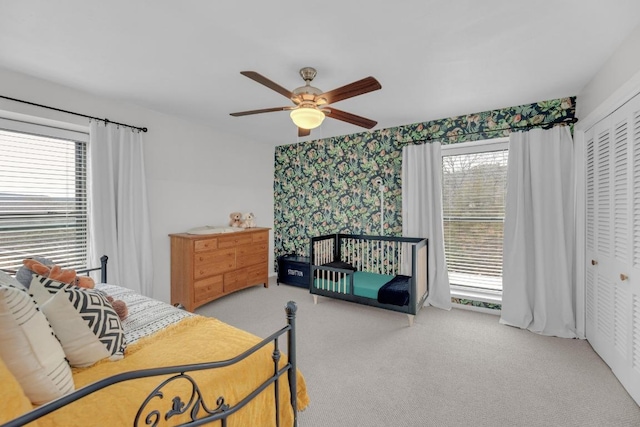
{"points": [[307, 117], [310, 102]]}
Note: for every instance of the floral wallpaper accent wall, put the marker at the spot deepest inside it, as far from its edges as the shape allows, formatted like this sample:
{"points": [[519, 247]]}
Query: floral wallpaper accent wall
{"points": [[329, 185]]}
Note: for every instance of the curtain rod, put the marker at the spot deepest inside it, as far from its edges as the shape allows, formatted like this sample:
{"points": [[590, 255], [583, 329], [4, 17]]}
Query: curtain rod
{"points": [[75, 114], [561, 121]]}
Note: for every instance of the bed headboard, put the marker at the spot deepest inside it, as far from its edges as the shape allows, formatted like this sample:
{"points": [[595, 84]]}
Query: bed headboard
{"points": [[86, 271], [102, 268]]}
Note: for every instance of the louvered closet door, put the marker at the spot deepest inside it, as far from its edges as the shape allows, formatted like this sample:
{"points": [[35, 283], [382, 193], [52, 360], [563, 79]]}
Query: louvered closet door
{"points": [[613, 243]]}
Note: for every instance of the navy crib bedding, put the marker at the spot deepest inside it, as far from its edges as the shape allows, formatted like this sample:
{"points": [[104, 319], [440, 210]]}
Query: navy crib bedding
{"points": [[395, 291]]}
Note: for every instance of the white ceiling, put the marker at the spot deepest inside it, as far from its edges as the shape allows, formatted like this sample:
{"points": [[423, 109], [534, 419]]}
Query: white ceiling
{"points": [[434, 58]]}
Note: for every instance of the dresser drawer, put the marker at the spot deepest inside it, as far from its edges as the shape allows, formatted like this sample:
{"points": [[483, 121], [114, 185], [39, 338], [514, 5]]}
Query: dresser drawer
{"points": [[261, 236], [252, 249], [205, 245], [217, 261], [251, 259], [257, 274], [217, 256], [207, 289], [233, 241], [235, 280]]}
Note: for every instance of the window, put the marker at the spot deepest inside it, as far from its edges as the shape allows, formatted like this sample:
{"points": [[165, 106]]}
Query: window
{"points": [[474, 188], [43, 194]]}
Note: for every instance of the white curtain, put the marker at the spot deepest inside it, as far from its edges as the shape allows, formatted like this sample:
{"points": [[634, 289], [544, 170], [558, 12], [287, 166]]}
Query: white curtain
{"points": [[422, 213], [538, 233], [119, 214]]}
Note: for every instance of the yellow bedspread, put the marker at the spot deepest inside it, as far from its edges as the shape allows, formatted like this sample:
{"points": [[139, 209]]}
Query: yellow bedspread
{"points": [[193, 340]]}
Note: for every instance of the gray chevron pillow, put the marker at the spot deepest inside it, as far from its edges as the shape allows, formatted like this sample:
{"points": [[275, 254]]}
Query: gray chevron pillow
{"points": [[46, 288], [86, 324]]}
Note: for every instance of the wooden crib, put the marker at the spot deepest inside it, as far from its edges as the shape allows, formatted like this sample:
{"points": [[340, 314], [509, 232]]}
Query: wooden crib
{"points": [[380, 271]]}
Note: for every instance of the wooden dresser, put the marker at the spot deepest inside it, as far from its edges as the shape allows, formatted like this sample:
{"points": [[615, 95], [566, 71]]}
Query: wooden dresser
{"points": [[206, 267]]}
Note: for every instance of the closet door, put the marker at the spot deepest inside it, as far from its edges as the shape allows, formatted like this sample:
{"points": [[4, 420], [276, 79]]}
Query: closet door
{"points": [[613, 242]]}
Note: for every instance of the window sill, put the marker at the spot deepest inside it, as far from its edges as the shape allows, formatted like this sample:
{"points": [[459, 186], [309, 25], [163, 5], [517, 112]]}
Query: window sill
{"points": [[480, 295], [464, 292]]}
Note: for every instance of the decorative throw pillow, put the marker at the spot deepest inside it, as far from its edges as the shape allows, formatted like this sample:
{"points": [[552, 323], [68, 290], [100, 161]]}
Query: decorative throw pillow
{"points": [[29, 347], [42, 288], [86, 324]]}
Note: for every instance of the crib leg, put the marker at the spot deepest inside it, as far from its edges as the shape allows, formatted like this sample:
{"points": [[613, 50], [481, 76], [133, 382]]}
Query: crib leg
{"points": [[315, 299], [411, 316]]}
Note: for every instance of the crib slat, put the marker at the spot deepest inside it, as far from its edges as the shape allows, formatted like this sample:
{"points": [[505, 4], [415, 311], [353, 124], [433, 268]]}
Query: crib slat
{"points": [[366, 253], [375, 256], [393, 258], [387, 249]]}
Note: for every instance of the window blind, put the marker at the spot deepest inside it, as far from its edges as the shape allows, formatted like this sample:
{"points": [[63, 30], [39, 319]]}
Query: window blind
{"points": [[474, 188], [43, 199]]}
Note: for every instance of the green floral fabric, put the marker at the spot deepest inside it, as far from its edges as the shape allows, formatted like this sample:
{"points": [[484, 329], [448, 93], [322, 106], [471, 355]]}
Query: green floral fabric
{"points": [[473, 303], [329, 185]]}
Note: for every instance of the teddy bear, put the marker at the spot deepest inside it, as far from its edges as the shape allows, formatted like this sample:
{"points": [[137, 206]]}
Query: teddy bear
{"points": [[59, 274], [248, 220], [235, 219], [119, 306], [70, 277]]}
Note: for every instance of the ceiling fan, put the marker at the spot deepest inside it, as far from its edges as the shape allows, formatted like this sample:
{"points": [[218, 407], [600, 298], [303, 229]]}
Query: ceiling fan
{"points": [[311, 104]]}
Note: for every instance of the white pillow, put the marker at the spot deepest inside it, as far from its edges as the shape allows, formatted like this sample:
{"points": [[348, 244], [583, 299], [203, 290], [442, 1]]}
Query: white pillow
{"points": [[29, 347], [43, 288], [84, 321]]}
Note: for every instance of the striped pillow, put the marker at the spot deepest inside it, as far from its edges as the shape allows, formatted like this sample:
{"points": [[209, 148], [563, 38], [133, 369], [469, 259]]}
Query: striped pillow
{"points": [[28, 346]]}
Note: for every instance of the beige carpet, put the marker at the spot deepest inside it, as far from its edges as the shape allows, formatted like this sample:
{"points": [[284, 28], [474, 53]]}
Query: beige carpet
{"points": [[365, 367]]}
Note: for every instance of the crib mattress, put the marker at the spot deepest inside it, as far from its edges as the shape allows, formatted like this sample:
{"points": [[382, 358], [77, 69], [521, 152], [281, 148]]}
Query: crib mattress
{"points": [[365, 284]]}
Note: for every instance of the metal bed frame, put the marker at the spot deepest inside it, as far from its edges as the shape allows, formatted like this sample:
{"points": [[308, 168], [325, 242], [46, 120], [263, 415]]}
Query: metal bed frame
{"points": [[192, 404]]}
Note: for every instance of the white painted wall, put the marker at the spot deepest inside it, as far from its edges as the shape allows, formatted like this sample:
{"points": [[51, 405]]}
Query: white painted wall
{"points": [[195, 175], [622, 66]]}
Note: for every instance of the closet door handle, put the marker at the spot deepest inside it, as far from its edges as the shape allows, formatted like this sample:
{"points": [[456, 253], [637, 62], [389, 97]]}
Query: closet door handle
{"points": [[594, 262], [623, 277]]}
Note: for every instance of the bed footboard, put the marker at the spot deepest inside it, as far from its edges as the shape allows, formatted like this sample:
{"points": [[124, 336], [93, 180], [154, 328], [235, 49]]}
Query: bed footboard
{"points": [[192, 403]]}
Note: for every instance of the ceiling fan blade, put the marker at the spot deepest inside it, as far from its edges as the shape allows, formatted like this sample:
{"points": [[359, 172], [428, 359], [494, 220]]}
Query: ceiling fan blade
{"points": [[350, 118], [304, 132], [264, 110], [368, 84], [268, 83]]}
